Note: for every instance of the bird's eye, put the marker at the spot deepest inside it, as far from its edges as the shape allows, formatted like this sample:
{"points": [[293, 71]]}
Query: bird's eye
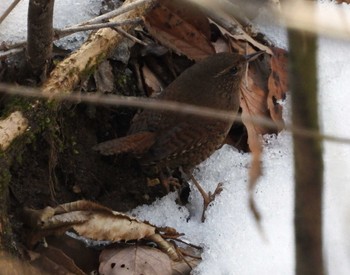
{"points": [[234, 70]]}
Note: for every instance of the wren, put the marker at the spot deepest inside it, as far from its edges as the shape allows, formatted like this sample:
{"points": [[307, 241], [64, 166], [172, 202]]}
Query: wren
{"points": [[171, 140]]}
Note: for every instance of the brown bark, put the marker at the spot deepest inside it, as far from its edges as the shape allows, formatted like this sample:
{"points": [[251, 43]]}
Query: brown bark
{"points": [[307, 155], [40, 35], [64, 78], [83, 62]]}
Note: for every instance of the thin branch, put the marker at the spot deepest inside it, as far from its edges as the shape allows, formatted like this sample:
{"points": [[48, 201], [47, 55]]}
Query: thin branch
{"points": [[114, 13], [310, 16], [129, 36], [5, 54], [6, 47], [60, 33], [8, 10], [7, 50], [330, 20], [162, 105]]}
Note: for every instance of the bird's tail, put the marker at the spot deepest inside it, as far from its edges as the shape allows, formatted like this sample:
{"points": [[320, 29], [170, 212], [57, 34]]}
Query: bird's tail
{"points": [[135, 144]]}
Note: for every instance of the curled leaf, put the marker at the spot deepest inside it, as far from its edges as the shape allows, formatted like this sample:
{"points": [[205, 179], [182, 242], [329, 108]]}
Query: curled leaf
{"points": [[96, 222], [181, 27], [134, 260]]}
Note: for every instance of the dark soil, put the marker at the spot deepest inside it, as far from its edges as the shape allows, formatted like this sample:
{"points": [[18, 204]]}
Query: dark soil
{"points": [[48, 175], [60, 166]]}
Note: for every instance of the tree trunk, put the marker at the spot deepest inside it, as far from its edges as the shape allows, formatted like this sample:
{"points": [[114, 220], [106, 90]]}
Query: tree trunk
{"points": [[40, 35], [307, 155]]}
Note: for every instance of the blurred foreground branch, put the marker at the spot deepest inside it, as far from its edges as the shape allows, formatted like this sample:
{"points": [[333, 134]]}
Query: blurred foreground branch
{"points": [[311, 16], [308, 159], [161, 105]]}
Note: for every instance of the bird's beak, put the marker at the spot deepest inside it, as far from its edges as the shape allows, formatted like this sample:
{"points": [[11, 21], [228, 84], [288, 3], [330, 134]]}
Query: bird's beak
{"points": [[253, 56]]}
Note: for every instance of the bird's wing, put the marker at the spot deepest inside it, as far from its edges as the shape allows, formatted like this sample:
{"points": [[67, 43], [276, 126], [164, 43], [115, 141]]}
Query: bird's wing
{"points": [[184, 137]]}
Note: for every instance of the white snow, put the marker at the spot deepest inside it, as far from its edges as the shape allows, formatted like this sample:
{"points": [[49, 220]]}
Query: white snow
{"points": [[66, 13], [229, 235], [232, 243]]}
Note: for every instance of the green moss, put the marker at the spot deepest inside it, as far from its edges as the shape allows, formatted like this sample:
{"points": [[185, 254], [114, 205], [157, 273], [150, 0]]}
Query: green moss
{"points": [[92, 65], [5, 177], [125, 83], [17, 103]]}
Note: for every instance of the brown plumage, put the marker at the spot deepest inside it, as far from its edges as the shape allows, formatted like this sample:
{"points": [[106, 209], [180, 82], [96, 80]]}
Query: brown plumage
{"points": [[169, 140]]}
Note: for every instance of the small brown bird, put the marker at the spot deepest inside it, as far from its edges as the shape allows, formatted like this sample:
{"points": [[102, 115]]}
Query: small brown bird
{"points": [[171, 140]]}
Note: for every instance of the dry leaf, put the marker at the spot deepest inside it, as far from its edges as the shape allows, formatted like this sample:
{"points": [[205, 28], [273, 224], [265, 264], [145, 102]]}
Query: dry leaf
{"points": [[277, 83], [239, 46], [104, 77], [180, 27], [190, 260], [241, 35], [266, 82], [151, 81], [86, 258], [96, 222], [134, 260], [255, 172], [221, 45], [254, 93], [49, 255], [253, 103], [12, 266], [48, 265]]}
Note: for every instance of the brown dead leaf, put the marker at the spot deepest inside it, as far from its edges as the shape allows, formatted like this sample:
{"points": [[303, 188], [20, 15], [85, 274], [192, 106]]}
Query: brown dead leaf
{"points": [[264, 84], [191, 259], [134, 260], [240, 35], [104, 77], [85, 257], [259, 93], [277, 83], [48, 265], [239, 46], [13, 266], [96, 222], [221, 45], [255, 171], [49, 255], [254, 93], [253, 103], [181, 27], [151, 81]]}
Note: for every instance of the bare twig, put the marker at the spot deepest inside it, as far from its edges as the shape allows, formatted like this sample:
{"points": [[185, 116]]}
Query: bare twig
{"points": [[311, 16], [161, 105], [8, 10], [7, 50], [5, 47], [60, 33], [5, 54], [114, 13], [129, 36], [92, 24], [330, 20]]}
